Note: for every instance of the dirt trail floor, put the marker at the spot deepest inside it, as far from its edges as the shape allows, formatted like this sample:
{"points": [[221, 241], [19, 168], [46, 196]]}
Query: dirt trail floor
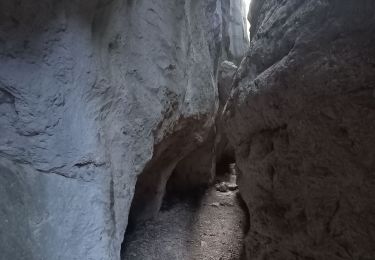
{"points": [[208, 227]]}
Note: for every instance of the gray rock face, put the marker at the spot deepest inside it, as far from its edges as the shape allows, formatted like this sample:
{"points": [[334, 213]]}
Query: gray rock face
{"points": [[223, 148], [227, 71], [302, 121], [191, 163], [198, 169], [235, 35], [92, 94]]}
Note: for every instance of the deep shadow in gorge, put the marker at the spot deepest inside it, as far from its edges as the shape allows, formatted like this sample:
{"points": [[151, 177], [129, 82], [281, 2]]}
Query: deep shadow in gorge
{"points": [[223, 164], [199, 223]]}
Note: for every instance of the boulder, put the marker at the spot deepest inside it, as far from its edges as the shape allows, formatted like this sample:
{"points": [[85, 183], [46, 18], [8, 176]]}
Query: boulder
{"points": [[301, 118]]}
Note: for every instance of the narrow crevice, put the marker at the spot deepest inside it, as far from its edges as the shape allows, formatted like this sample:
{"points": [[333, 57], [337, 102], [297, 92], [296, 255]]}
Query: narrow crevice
{"points": [[223, 164]]}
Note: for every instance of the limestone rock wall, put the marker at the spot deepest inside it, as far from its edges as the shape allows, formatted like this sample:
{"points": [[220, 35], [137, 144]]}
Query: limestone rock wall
{"points": [[199, 167], [92, 94], [235, 31], [302, 120], [223, 148]]}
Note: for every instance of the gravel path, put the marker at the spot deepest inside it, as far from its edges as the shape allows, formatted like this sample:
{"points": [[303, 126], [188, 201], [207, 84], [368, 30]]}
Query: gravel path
{"points": [[208, 227]]}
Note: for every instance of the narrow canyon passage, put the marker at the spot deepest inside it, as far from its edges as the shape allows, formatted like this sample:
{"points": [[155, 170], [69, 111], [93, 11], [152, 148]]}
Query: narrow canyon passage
{"points": [[203, 225], [119, 120]]}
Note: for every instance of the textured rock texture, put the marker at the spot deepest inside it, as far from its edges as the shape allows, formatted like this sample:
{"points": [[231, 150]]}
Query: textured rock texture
{"points": [[223, 149], [235, 31], [186, 171], [227, 71], [92, 94], [198, 169], [302, 120]]}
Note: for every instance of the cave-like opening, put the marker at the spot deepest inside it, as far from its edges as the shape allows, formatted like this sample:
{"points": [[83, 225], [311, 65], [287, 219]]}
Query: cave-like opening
{"points": [[223, 165], [193, 197], [196, 220]]}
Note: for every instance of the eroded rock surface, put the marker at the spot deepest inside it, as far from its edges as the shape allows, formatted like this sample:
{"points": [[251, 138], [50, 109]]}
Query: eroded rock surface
{"points": [[187, 158], [198, 168], [235, 31], [93, 93], [302, 120]]}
